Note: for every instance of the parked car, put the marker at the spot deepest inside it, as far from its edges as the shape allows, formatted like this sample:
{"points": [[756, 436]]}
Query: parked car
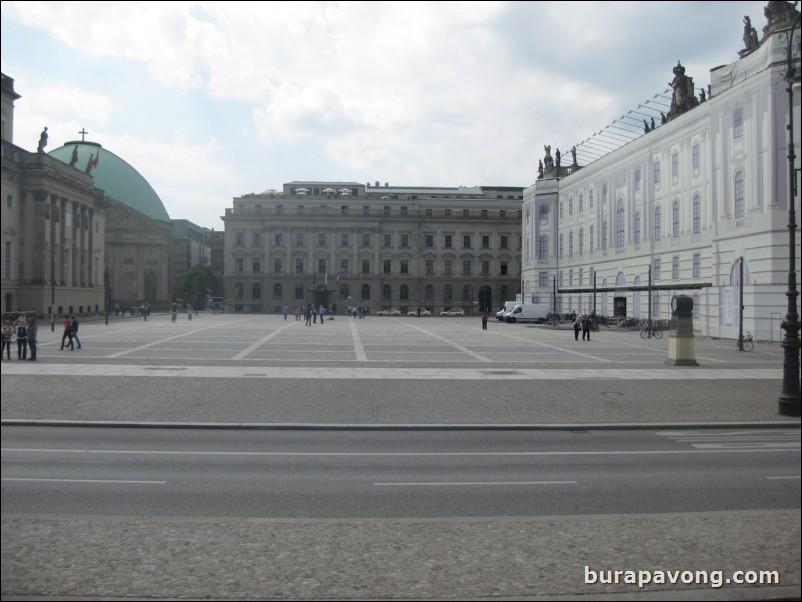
{"points": [[528, 312], [388, 312], [453, 312], [423, 313], [508, 307]]}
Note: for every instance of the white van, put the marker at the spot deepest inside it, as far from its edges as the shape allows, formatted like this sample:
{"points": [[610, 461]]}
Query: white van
{"points": [[528, 312], [508, 305]]}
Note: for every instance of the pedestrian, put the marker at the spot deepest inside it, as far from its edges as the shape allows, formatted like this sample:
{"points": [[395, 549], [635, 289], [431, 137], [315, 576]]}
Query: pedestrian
{"points": [[577, 324], [22, 338], [189, 312], [285, 310], [297, 313], [67, 334], [74, 331], [174, 314], [484, 319], [33, 337], [308, 314], [321, 310], [586, 327], [7, 335]]}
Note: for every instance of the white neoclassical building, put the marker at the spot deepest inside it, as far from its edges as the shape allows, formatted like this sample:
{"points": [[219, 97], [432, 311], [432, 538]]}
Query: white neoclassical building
{"points": [[699, 205]]}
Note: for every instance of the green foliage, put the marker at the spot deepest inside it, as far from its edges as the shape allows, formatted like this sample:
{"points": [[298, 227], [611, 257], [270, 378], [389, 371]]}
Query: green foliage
{"points": [[200, 282]]}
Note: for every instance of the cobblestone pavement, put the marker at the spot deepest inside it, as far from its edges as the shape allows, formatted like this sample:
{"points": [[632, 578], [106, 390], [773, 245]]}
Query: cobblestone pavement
{"points": [[388, 372]]}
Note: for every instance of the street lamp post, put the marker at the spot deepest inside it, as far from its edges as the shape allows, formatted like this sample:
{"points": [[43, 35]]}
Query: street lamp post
{"points": [[789, 402]]}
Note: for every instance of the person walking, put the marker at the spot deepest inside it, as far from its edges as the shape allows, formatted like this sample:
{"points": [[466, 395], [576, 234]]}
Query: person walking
{"points": [[7, 335], [33, 337], [484, 319], [74, 331], [321, 311], [22, 338], [174, 313], [67, 334], [577, 327], [285, 310]]}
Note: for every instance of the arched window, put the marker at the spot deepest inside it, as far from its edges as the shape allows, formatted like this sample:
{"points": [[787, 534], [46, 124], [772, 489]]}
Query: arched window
{"points": [[619, 224], [365, 292], [467, 293], [256, 291], [581, 241], [697, 214], [637, 228], [387, 292], [658, 223], [571, 244], [604, 236], [428, 294], [675, 219], [543, 248], [277, 291], [238, 291], [561, 246], [448, 294], [739, 195], [590, 240], [404, 292], [344, 291]]}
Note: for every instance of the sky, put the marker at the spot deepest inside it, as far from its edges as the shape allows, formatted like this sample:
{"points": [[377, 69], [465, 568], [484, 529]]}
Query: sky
{"points": [[213, 100]]}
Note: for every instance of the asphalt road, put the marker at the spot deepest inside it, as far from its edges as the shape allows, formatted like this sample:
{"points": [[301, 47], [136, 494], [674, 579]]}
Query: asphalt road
{"points": [[431, 474]]}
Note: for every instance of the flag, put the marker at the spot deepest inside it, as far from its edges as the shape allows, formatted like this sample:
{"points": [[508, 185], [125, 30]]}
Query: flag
{"points": [[338, 279], [96, 160]]}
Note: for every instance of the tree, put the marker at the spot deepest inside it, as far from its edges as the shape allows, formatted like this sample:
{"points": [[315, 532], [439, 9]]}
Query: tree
{"points": [[200, 282]]}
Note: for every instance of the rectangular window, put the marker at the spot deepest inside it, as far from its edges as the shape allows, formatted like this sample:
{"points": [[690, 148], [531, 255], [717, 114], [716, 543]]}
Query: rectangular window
{"points": [[697, 265], [240, 238], [448, 241], [321, 266], [299, 239], [344, 239], [10, 201], [300, 209], [9, 271], [386, 210], [466, 213], [657, 269], [366, 266], [504, 241], [466, 241], [447, 212], [543, 213], [448, 267], [502, 213], [430, 241], [429, 212], [256, 266], [543, 279], [404, 210], [675, 165], [345, 266], [657, 173], [257, 239], [675, 267], [278, 239], [388, 240], [239, 265], [405, 266], [738, 123], [343, 209], [365, 209], [299, 266], [696, 159], [504, 268], [278, 266], [485, 241], [387, 266], [637, 179], [466, 267], [321, 239], [485, 268], [405, 241], [429, 267], [366, 240], [280, 209]]}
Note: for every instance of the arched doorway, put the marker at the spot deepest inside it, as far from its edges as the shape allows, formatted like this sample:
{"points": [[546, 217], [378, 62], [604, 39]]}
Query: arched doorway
{"points": [[620, 298], [485, 299], [321, 297]]}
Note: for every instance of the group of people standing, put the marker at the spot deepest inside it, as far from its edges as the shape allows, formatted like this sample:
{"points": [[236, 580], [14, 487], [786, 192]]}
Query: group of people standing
{"points": [[25, 331], [70, 335], [583, 323], [310, 313]]}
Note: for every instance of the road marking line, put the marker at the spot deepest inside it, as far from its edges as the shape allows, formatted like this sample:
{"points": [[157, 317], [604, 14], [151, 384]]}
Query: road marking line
{"points": [[477, 483], [253, 346], [85, 481], [359, 350]]}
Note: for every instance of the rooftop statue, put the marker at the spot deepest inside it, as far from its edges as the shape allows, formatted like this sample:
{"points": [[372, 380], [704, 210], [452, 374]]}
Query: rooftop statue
{"points": [[42, 141], [683, 98]]}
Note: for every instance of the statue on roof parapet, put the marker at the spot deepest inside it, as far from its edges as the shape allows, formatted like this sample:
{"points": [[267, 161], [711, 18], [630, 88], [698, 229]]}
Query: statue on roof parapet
{"points": [[683, 98], [779, 15], [74, 158], [42, 141]]}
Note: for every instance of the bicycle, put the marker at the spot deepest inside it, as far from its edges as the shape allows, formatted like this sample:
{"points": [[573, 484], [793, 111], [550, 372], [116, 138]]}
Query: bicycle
{"points": [[655, 331], [745, 343]]}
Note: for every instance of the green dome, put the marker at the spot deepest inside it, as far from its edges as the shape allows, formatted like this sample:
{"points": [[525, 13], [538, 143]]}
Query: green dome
{"points": [[117, 178]]}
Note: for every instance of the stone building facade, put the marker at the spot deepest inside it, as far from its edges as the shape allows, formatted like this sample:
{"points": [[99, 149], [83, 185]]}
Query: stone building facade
{"points": [[340, 244]]}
